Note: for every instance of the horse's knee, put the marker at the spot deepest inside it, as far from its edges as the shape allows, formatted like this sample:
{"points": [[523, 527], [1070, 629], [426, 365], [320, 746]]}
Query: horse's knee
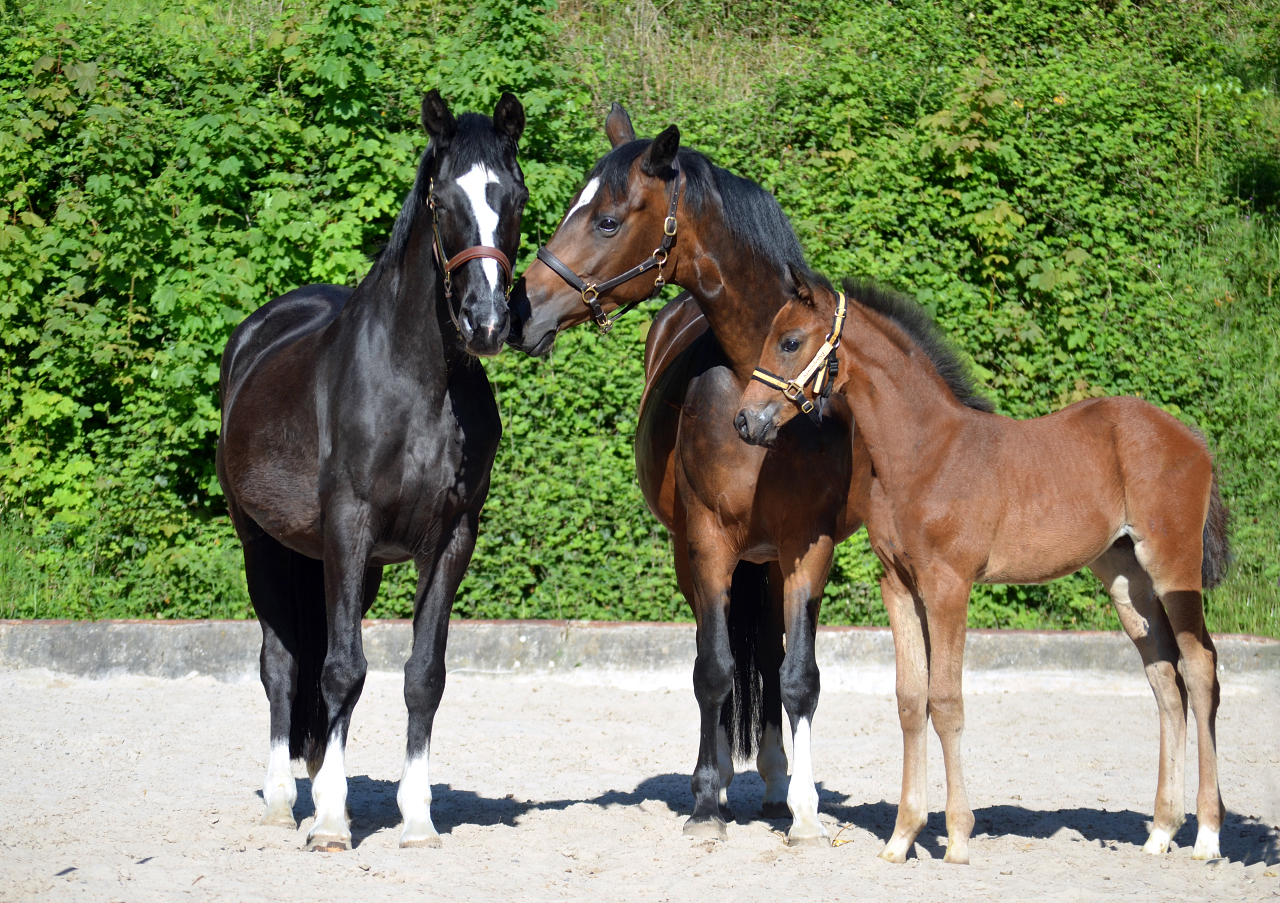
{"points": [[913, 708], [423, 685], [947, 711], [713, 676], [343, 678], [800, 683]]}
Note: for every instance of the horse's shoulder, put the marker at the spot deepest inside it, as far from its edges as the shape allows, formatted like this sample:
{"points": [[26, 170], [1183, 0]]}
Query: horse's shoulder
{"points": [[674, 329]]}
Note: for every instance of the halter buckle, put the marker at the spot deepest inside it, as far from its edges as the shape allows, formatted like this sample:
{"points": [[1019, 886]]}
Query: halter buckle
{"points": [[594, 295], [793, 391], [669, 226]]}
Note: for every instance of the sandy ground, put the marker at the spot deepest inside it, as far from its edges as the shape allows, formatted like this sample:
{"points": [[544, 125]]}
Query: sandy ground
{"points": [[139, 789]]}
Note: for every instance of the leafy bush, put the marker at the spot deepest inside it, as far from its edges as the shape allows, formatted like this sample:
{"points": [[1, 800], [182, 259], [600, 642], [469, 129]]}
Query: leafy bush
{"points": [[1085, 195]]}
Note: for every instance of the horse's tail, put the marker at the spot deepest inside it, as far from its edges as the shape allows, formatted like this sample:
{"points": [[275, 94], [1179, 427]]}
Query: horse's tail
{"points": [[748, 610], [1217, 546], [309, 718]]}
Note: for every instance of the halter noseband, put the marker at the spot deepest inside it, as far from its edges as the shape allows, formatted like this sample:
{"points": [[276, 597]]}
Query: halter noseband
{"points": [[449, 264], [822, 370], [591, 291]]}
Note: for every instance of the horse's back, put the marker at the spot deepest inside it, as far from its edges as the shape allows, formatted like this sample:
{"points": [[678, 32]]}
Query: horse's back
{"points": [[276, 325]]}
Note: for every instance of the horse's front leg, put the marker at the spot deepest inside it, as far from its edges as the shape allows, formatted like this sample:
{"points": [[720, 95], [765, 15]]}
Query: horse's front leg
{"points": [[805, 569], [911, 653], [347, 543], [424, 675], [771, 760], [710, 561]]}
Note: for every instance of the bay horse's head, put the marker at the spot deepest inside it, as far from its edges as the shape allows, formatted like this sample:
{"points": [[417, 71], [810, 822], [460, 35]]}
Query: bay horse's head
{"points": [[476, 195], [623, 219], [794, 366]]}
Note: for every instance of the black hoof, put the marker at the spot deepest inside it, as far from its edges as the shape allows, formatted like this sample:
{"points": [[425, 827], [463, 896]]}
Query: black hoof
{"points": [[774, 810]]}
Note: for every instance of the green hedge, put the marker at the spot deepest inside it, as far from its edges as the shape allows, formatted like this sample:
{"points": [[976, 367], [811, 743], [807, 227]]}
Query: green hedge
{"points": [[1084, 194]]}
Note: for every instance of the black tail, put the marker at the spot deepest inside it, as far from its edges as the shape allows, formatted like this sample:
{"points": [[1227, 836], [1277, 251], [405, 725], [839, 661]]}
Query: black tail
{"points": [[748, 608], [309, 719], [1217, 546]]}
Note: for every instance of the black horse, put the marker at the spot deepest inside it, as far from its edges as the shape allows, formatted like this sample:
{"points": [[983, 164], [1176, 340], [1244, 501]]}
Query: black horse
{"points": [[359, 431]]}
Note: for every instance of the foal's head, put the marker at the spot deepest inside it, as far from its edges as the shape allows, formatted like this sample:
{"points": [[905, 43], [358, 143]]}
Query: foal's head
{"points": [[614, 223], [795, 338], [473, 186]]}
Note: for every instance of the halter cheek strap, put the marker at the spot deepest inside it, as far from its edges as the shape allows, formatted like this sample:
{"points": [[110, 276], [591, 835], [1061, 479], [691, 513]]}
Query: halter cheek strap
{"points": [[591, 291], [821, 370], [449, 264]]}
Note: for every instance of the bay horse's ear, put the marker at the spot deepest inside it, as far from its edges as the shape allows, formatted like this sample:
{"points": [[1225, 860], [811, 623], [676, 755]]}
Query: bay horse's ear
{"points": [[436, 118], [618, 126], [508, 117], [657, 159], [804, 291]]}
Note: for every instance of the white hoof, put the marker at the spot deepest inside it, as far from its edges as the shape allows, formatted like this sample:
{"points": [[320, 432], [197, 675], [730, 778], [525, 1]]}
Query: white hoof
{"points": [[1158, 843], [418, 835], [279, 815], [1206, 845]]}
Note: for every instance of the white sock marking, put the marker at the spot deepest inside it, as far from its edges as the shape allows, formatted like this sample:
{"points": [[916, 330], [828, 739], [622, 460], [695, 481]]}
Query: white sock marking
{"points": [[414, 798], [279, 785], [724, 761], [802, 795], [1158, 843], [588, 194], [473, 182], [329, 791], [1206, 844]]}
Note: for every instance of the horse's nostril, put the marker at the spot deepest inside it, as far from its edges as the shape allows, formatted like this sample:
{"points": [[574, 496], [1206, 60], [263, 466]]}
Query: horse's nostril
{"points": [[740, 424], [465, 325]]}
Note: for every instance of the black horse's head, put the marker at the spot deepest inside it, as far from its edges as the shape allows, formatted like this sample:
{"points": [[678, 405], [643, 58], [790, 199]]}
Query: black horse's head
{"points": [[476, 194]]}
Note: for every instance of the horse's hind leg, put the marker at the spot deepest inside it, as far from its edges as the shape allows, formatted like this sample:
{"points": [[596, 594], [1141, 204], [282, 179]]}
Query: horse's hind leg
{"points": [[771, 760], [1172, 574], [267, 566], [1144, 620], [424, 677]]}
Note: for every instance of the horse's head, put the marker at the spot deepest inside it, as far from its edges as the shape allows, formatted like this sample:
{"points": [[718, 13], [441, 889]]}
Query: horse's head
{"points": [[476, 196], [791, 363], [623, 218]]}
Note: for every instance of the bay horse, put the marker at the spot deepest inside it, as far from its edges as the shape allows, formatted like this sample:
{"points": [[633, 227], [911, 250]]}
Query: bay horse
{"points": [[358, 430], [751, 566], [961, 495]]}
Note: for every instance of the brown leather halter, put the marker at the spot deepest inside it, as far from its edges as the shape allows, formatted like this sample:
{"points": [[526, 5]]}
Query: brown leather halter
{"points": [[449, 264], [591, 291]]}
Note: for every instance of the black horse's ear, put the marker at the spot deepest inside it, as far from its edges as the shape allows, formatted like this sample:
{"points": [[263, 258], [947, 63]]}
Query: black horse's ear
{"points": [[800, 283], [436, 118], [508, 117], [657, 159], [618, 126]]}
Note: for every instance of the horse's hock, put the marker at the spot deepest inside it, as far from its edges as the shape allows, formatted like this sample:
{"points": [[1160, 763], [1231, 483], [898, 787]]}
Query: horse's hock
{"points": [[852, 658], [560, 769]]}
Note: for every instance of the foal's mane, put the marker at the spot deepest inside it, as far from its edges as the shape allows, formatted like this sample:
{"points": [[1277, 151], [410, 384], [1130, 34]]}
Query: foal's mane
{"points": [[474, 142], [752, 215], [909, 316]]}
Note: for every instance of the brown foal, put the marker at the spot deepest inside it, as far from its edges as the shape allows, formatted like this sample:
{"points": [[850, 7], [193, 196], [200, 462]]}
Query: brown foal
{"points": [[962, 496]]}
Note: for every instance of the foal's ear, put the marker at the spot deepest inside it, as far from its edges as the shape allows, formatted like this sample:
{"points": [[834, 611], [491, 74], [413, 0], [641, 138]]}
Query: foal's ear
{"points": [[508, 117], [657, 159], [436, 118], [618, 126], [800, 283]]}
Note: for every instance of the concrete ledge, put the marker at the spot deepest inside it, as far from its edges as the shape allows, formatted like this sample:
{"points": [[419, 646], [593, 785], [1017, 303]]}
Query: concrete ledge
{"points": [[228, 650]]}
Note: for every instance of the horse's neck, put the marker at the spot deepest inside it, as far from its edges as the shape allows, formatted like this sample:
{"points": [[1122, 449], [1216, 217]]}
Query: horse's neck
{"points": [[737, 292], [903, 408]]}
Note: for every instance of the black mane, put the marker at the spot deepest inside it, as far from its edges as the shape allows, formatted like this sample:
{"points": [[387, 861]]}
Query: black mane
{"points": [[752, 214], [475, 142], [915, 321]]}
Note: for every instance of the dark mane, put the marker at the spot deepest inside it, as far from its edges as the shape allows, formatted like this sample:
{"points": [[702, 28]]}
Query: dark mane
{"points": [[752, 214], [474, 142], [915, 321]]}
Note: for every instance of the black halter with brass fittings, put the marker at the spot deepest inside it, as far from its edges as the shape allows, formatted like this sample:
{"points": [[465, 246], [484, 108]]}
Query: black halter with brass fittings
{"points": [[591, 291], [822, 370], [449, 264]]}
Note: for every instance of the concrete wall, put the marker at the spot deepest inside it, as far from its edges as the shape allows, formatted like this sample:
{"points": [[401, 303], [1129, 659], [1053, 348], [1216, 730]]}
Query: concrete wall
{"points": [[228, 650]]}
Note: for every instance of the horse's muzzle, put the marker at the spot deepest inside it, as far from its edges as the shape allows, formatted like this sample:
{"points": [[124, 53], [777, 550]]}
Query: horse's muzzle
{"points": [[757, 426]]}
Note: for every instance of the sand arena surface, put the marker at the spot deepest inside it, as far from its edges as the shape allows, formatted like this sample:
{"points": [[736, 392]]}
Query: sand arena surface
{"points": [[136, 788]]}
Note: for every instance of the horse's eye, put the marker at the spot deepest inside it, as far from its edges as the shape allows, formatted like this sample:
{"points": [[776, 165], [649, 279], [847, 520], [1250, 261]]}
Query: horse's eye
{"points": [[608, 225], [790, 346]]}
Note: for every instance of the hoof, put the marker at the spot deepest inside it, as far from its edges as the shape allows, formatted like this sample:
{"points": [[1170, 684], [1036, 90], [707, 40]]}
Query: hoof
{"points": [[774, 810], [894, 856], [1158, 843], [324, 845], [726, 815], [279, 819], [809, 840], [706, 828], [1206, 847], [429, 842], [956, 857]]}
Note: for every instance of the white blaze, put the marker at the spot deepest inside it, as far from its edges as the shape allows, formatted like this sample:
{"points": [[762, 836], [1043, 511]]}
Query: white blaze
{"points": [[583, 199], [473, 182]]}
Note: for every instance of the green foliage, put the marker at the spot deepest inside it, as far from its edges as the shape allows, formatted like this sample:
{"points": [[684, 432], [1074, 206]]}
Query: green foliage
{"points": [[1084, 195]]}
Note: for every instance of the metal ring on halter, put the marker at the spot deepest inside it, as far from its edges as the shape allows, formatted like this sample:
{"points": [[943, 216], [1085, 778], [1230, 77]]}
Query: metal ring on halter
{"points": [[595, 294]]}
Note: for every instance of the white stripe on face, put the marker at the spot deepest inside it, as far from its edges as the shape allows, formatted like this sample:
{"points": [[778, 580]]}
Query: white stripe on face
{"points": [[584, 199], [473, 182]]}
